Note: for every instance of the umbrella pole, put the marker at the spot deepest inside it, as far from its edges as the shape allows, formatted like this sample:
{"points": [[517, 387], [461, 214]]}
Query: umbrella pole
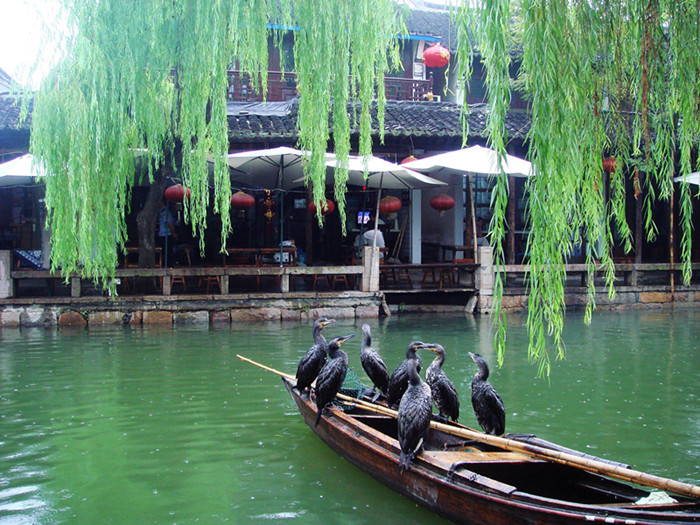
{"points": [[362, 225], [376, 226], [471, 205], [281, 179]]}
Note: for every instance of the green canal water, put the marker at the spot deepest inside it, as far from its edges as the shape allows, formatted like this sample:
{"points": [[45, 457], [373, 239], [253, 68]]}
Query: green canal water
{"points": [[168, 426]]}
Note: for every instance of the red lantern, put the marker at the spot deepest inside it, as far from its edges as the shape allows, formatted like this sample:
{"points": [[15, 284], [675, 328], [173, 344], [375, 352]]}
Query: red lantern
{"points": [[410, 158], [242, 201], [442, 202], [325, 210], [436, 56], [610, 164], [389, 204], [177, 193]]}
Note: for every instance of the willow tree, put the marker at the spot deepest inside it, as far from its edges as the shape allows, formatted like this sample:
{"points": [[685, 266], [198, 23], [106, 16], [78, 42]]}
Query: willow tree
{"points": [[149, 80], [603, 78]]}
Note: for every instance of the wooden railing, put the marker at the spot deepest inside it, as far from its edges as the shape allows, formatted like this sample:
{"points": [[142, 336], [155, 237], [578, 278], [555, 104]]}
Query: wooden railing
{"points": [[283, 86], [222, 275], [368, 274], [628, 274]]}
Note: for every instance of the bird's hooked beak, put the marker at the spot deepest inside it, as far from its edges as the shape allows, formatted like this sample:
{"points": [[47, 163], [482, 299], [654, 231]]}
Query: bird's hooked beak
{"points": [[326, 323], [429, 346], [344, 338]]}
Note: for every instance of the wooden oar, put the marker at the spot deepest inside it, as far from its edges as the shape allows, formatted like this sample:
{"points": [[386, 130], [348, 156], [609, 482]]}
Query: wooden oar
{"points": [[598, 467]]}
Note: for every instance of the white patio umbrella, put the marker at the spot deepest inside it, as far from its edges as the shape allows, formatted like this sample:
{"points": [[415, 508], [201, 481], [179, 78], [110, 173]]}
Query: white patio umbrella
{"points": [[275, 168], [381, 174], [20, 171], [474, 160], [693, 178]]}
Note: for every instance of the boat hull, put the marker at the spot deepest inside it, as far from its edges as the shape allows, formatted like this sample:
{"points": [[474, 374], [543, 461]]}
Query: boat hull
{"points": [[468, 498]]}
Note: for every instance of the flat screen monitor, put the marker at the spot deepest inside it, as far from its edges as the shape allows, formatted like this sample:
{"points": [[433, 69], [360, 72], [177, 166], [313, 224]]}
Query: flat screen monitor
{"points": [[362, 217]]}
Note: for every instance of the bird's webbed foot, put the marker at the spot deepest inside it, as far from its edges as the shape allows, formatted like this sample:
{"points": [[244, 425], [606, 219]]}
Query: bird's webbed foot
{"points": [[441, 418], [453, 469], [369, 392]]}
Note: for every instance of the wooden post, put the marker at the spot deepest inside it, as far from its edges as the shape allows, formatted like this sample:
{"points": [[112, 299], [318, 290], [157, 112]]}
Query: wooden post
{"points": [[370, 273], [75, 286], [224, 284], [167, 282], [284, 283], [7, 284]]}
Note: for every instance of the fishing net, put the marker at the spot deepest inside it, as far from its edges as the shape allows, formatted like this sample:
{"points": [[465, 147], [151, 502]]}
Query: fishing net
{"points": [[353, 387]]}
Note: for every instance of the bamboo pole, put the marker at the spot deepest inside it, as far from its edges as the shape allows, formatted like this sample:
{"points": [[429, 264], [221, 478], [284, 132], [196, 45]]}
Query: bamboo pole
{"points": [[564, 458]]}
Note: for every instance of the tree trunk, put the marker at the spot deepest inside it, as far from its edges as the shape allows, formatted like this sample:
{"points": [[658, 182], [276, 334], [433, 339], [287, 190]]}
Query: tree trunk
{"points": [[638, 227], [147, 218], [309, 229], [147, 222], [510, 219]]}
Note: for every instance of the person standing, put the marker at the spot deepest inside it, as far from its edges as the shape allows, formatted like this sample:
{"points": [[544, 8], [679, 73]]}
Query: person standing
{"points": [[167, 235]]}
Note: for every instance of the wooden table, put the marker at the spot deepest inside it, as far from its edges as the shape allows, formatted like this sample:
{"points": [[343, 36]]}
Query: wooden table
{"points": [[255, 258], [446, 271], [134, 250], [455, 249], [234, 257]]}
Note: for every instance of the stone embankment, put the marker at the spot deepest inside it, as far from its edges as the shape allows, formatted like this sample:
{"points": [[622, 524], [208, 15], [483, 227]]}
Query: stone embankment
{"points": [[350, 305]]}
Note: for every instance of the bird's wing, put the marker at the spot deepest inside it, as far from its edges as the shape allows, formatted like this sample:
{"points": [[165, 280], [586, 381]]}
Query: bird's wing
{"points": [[495, 406], [448, 393]]}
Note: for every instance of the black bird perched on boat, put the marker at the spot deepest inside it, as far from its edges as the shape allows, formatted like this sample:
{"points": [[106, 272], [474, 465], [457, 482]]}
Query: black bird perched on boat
{"points": [[441, 388], [314, 359], [488, 406], [332, 375], [398, 382], [373, 365], [415, 411]]}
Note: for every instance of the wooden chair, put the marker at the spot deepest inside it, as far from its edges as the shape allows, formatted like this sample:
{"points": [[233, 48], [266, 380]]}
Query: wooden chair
{"points": [[397, 275], [455, 271], [337, 279], [180, 279]]}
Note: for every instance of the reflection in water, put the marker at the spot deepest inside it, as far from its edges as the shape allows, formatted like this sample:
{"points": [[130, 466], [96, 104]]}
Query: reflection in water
{"points": [[163, 426]]}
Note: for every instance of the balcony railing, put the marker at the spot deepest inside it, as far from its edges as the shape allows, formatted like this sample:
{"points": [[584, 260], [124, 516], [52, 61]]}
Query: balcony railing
{"points": [[282, 87]]}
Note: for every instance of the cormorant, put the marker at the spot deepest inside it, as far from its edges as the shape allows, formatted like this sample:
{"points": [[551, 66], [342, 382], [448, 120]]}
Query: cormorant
{"points": [[332, 375], [488, 406], [314, 358], [415, 411], [399, 377], [443, 391], [373, 365]]}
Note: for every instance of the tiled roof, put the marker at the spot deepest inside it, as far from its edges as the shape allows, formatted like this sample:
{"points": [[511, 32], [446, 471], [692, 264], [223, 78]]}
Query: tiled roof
{"points": [[402, 119], [435, 23], [6, 82], [10, 107]]}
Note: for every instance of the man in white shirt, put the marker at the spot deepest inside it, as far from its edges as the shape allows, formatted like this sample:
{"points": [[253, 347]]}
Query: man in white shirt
{"points": [[367, 238]]}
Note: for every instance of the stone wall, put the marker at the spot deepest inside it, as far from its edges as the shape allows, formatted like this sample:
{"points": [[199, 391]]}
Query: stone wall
{"points": [[349, 305], [626, 297]]}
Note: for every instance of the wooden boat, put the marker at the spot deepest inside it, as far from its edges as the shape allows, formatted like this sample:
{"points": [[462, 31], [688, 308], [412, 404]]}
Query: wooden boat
{"points": [[491, 480]]}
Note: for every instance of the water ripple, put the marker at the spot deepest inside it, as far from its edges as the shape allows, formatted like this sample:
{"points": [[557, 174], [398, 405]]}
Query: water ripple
{"points": [[173, 423]]}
